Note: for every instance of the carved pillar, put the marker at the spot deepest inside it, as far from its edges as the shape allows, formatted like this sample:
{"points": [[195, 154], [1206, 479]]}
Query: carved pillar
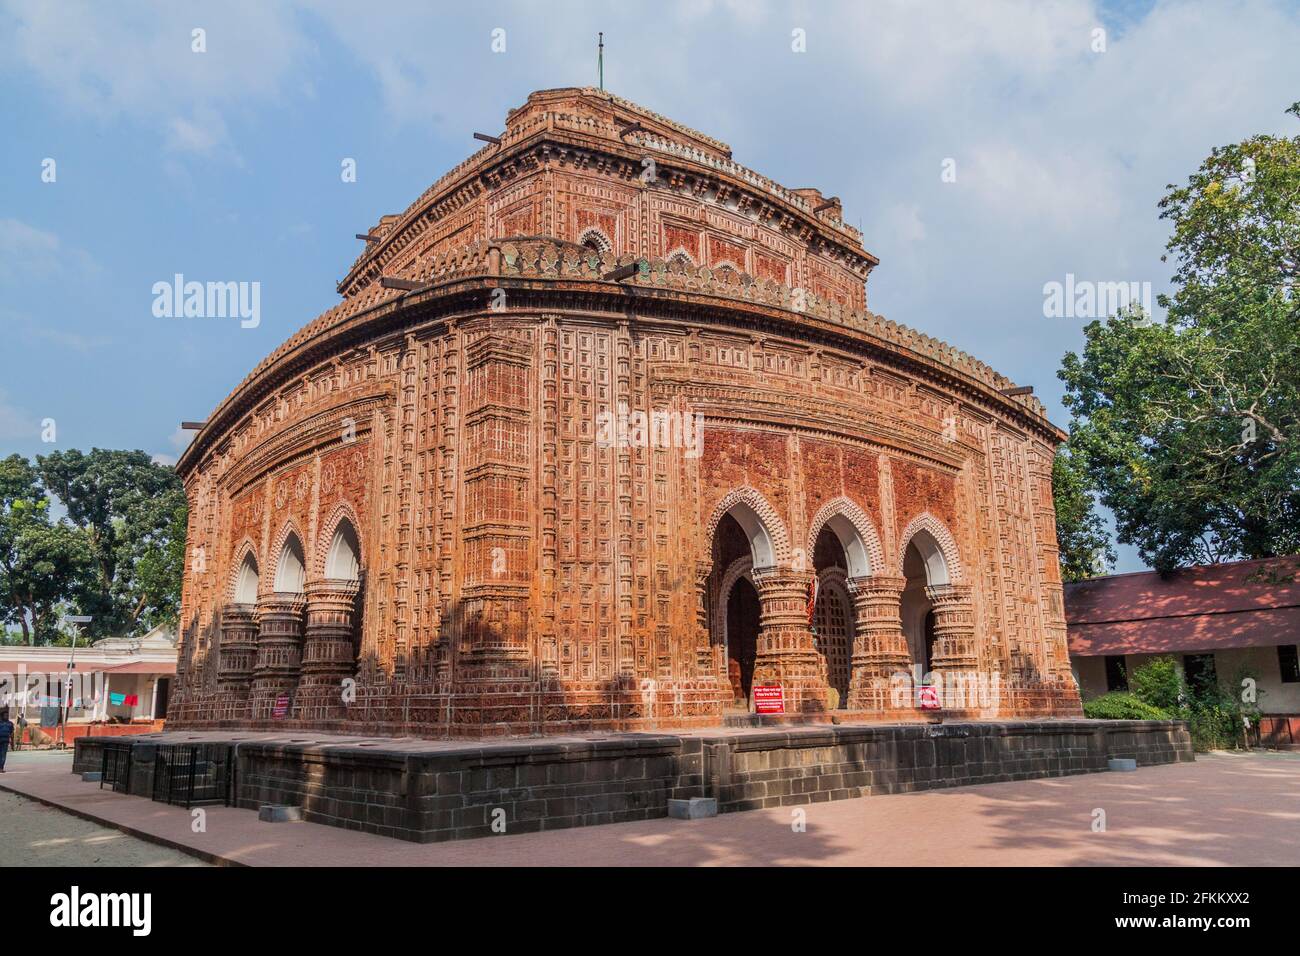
{"points": [[237, 656], [879, 646], [706, 659], [954, 628], [787, 652], [328, 655], [279, 651]]}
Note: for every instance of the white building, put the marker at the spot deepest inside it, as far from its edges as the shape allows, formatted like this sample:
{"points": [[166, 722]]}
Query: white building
{"points": [[115, 679]]}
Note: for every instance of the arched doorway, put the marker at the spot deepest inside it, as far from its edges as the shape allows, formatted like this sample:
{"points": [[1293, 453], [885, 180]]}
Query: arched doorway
{"points": [[742, 639], [748, 539], [246, 581], [290, 569], [735, 603], [343, 563], [923, 566], [832, 623]]}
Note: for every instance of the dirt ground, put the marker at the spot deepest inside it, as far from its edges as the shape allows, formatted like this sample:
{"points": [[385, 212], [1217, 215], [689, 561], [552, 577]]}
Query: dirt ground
{"points": [[32, 834]]}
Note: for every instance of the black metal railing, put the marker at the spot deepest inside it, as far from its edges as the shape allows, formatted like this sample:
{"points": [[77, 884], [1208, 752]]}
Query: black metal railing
{"points": [[187, 775], [115, 767]]}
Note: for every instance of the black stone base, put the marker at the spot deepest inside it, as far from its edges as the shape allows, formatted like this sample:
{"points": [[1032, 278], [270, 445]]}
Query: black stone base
{"points": [[429, 791]]}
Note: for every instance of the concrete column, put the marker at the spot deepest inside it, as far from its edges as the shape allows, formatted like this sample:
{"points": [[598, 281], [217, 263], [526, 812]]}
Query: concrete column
{"points": [[879, 646], [279, 651], [787, 651], [328, 654]]}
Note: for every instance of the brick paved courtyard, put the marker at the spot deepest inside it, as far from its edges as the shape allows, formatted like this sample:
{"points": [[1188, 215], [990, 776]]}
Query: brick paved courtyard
{"points": [[1221, 810]]}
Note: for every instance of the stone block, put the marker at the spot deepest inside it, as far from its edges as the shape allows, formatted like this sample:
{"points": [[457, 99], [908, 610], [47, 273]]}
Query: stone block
{"points": [[275, 813], [694, 808]]}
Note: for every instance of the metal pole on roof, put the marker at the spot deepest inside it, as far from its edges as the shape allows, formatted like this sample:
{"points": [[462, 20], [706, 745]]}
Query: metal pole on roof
{"points": [[600, 60]]}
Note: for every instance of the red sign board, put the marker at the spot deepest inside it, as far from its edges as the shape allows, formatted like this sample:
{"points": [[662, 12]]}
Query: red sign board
{"points": [[769, 699], [281, 707], [928, 697]]}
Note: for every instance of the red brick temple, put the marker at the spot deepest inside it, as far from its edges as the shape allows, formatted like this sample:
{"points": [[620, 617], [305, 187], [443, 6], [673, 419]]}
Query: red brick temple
{"points": [[603, 436]]}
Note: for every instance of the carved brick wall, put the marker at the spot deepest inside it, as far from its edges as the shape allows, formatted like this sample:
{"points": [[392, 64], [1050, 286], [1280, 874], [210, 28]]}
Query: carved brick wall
{"points": [[522, 572]]}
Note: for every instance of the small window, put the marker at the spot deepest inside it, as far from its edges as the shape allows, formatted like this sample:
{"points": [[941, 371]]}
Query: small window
{"points": [[1116, 673], [1289, 663], [1198, 669]]}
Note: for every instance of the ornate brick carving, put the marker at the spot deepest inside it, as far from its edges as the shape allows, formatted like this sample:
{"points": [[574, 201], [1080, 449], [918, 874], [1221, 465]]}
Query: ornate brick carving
{"points": [[279, 651], [531, 558], [787, 652], [879, 647]]}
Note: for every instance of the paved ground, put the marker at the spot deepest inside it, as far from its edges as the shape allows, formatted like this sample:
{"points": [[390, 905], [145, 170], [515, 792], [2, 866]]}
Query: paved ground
{"points": [[1221, 810], [32, 834]]}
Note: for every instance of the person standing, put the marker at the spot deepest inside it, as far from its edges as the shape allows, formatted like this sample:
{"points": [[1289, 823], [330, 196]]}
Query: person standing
{"points": [[6, 735]]}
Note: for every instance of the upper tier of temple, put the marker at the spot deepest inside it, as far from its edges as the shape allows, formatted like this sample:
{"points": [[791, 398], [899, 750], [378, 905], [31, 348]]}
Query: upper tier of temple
{"points": [[585, 166]]}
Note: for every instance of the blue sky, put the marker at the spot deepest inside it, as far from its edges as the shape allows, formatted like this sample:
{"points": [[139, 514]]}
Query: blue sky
{"points": [[225, 165]]}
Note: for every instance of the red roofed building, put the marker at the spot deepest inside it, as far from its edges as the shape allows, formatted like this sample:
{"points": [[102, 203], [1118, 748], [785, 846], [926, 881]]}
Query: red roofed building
{"points": [[1228, 619]]}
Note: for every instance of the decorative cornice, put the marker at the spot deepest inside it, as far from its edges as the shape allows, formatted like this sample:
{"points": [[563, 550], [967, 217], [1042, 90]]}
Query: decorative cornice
{"points": [[563, 277], [289, 446]]}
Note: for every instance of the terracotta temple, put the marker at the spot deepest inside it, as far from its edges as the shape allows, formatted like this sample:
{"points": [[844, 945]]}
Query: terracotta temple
{"points": [[603, 436]]}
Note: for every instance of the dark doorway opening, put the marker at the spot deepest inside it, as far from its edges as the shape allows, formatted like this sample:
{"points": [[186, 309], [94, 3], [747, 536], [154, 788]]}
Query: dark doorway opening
{"points": [[742, 639], [164, 691], [832, 622]]}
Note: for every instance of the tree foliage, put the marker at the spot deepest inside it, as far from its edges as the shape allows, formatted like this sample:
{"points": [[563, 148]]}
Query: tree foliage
{"points": [[130, 510], [1081, 534], [117, 555], [1189, 430], [42, 562]]}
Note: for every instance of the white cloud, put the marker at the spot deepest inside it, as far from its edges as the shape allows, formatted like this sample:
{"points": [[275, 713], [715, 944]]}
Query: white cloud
{"points": [[27, 251], [903, 222], [33, 329], [180, 438], [17, 424], [201, 134], [109, 60]]}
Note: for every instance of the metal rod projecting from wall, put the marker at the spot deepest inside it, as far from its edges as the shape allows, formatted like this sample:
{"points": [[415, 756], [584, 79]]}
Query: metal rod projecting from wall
{"points": [[623, 272], [406, 285]]}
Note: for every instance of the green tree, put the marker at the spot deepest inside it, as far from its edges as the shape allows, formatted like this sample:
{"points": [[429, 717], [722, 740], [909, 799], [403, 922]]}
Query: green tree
{"points": [[133, 513], [1081, 535], [42, 562], [1189, 430]]}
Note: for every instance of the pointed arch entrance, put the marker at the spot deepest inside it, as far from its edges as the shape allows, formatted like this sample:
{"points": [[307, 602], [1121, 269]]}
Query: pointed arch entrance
{"points": [[916, 608], [936, 606], [740, 620], [333, 627], [833, 630], [746, 538], [735, 619]]}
